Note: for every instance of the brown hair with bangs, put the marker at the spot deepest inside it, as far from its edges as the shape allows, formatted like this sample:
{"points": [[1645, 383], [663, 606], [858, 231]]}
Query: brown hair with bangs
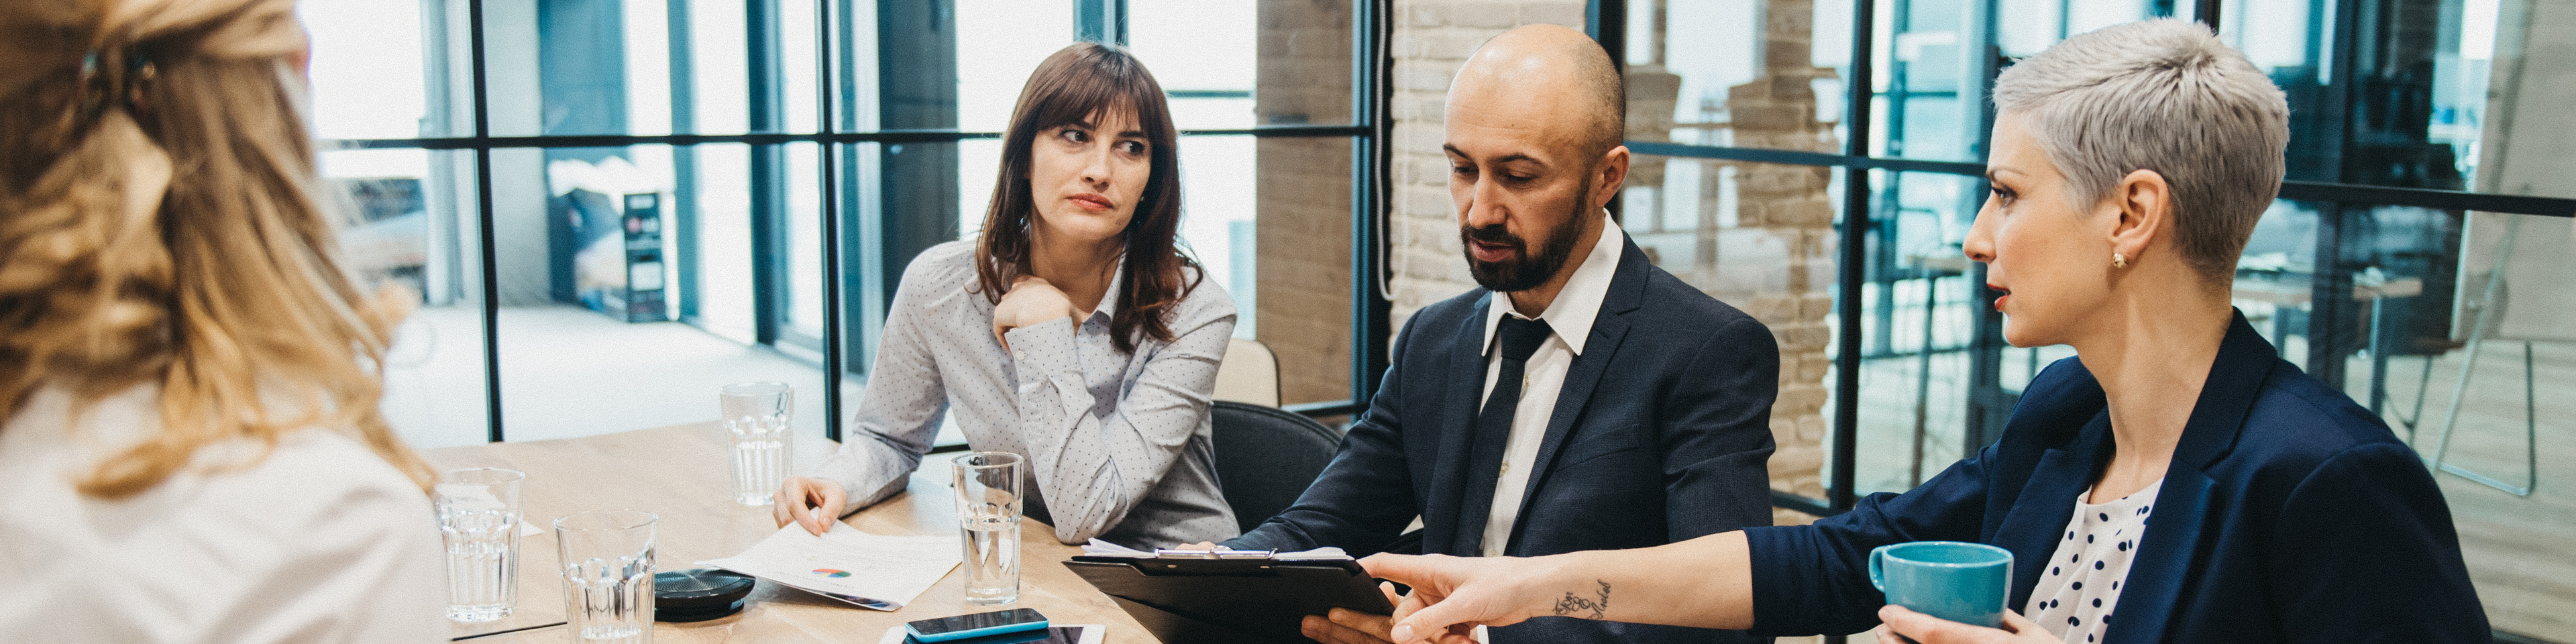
{"points": [[1070, 87]]}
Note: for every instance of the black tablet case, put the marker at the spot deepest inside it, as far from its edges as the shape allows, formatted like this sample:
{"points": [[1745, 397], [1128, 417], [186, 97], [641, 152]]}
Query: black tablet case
{"points": [[1255, 601]]}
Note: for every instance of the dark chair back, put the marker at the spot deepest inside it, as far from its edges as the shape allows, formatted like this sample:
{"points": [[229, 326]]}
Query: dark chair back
{"points": [[1266, 456]]}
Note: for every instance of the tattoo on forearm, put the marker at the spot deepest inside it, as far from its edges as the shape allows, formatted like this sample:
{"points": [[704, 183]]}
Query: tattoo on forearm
{"points": [[1598, 606]]}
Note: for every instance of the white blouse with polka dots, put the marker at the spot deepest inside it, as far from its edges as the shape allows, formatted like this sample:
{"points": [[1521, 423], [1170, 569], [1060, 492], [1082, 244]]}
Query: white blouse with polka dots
{"points": [[2075, 595]]}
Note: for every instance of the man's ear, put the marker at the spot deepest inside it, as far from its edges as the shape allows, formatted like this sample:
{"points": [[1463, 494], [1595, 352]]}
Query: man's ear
{"points": [[2144, 204], [1609, 173]]}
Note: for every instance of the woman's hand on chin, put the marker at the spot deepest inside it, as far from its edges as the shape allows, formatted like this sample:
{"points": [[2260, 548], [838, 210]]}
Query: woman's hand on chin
{"points": [[1031, 302], [1926, 629]]}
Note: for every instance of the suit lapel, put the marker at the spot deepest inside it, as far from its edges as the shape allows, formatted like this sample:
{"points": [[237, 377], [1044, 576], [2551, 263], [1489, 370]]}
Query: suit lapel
{"points": [[1466, 375], [1627, 292], [2165, 555], [2038, 518], [2185, 501], [1580, 378]]}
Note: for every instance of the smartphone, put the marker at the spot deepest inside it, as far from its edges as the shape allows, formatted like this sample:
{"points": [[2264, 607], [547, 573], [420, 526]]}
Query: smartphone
{"points": [[946, 629]]}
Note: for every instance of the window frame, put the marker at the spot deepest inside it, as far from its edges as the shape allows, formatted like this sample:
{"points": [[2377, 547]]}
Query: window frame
{"points": [[1371, 68]]}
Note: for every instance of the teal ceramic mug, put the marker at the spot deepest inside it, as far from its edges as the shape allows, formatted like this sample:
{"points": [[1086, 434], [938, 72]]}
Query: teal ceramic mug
{"points": [[1956, 581]]}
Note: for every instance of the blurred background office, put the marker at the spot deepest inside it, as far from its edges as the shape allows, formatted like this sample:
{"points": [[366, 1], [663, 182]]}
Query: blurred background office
{"points": [[613, 207]]}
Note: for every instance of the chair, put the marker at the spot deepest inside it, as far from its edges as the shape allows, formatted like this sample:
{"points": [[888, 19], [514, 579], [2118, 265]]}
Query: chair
{"points": [[1266, 456], [2491, 318], [1250, 374]]}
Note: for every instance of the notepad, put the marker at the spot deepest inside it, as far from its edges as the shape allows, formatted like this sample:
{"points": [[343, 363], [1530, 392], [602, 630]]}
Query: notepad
{"points": [[872, 571]]}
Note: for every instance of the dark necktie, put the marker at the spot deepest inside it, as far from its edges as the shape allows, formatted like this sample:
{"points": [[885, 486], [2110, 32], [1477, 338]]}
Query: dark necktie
{"points": [[1494, 430]]}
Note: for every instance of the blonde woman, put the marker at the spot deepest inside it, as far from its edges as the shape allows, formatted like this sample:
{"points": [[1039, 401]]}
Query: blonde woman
{"points": [[192, 450]]}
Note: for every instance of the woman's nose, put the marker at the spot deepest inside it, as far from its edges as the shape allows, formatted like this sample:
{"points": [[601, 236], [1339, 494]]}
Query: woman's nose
{"points": [[1980, 245]]}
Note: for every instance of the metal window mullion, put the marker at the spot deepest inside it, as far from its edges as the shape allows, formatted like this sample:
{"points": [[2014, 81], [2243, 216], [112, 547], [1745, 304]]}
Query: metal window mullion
{"points": [[828, 168], [764, 95], [1100, 21], [1371, 307], [483, 217], [1854, 247]]}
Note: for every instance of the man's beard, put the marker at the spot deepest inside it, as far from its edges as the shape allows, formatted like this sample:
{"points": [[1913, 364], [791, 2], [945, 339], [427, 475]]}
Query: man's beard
{"points": [[1523, 272]]}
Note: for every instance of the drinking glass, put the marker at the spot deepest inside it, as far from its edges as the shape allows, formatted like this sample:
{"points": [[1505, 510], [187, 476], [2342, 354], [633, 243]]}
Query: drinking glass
{"points": [[478, 518], [608, 575], [988, 507], [756, 415]]}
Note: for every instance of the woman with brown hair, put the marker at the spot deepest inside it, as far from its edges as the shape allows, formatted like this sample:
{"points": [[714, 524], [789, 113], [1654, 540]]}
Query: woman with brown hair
{"points": [[192, 450], [1071, 331]]}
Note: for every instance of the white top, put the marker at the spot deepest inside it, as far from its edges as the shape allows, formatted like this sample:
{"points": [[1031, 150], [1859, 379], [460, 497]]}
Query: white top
{"points": [[1117, 445], [1569, 321], [320, 542], [2074, 600]]}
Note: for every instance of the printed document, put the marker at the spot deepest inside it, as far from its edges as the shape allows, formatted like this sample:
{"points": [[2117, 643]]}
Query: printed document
{"points": [[868, 570]]}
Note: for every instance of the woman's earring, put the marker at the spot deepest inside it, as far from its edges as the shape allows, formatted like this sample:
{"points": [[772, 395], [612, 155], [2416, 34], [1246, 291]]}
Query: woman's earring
{"points": [[2119, 261]]}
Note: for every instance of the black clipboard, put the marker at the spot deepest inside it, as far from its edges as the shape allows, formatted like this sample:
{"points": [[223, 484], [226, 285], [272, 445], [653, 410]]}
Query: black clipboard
{"points": [[1193, 598]]}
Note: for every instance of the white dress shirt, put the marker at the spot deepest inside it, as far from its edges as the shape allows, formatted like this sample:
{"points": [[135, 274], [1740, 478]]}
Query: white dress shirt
{"points": [[1116, 445], [1569, 320], [319, 541]]}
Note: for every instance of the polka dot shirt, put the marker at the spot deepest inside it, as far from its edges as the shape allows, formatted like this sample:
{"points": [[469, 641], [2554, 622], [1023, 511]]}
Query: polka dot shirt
{"points": [[2076, 593]]}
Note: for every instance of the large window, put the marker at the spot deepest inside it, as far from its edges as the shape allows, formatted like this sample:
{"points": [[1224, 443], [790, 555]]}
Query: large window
{"points": [[613, 207], [1817, 163]]}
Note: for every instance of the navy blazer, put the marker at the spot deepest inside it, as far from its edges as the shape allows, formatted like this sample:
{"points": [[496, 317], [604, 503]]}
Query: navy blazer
{"points": [[1661, 433], [2288, 514]]}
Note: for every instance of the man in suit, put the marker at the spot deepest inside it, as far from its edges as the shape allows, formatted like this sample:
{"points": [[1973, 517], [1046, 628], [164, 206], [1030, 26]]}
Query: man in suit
{"points": [[1582, 399]]}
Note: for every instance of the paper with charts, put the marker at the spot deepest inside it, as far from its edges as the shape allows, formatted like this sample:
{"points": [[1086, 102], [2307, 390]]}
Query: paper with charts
{"points": [[867, 570]]}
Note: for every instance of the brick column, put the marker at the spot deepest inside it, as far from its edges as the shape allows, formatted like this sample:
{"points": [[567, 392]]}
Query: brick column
{"points": [[1303, 224], [1432, 39], [1778, 247], [1785, 212]]}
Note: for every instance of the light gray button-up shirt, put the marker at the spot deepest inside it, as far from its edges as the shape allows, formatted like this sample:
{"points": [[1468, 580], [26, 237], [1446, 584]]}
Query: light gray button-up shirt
{"points": [[1116, 445]]}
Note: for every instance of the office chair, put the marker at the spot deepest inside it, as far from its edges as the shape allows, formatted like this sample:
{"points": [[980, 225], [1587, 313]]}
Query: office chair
{"points": [[1266, 456]]}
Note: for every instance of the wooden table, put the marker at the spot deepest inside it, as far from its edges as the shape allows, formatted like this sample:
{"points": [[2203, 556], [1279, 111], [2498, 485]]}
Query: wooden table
{"points": [[681, 474]]}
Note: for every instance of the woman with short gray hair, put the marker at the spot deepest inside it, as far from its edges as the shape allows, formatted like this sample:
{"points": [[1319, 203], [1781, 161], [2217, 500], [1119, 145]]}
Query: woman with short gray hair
{"points": [[2129, 166]]}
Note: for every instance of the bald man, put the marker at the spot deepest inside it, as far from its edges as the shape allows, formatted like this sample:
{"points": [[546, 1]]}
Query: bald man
{"points": [[1581, 399]]}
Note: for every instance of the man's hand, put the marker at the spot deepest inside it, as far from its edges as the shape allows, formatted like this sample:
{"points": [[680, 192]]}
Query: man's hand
{"points": [[1346, 626], [1031, 302], [811, 502], [1901, 624]]}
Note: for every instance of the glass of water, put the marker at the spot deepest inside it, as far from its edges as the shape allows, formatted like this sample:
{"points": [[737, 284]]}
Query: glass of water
{"points": [[756, 416], [478, 517], [608, 575], [988, 506]]}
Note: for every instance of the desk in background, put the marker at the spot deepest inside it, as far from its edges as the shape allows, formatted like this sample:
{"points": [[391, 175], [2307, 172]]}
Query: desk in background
{"points": [[681, 474]]}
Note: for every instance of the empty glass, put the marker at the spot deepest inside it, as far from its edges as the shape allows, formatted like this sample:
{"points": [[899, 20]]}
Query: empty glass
{"points": [[608, 575], [756, 416], [988, 507], [478, 517]]}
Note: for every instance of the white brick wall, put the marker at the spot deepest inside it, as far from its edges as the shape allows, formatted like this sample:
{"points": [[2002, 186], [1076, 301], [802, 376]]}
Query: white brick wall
{"points": [[1432, 38]]}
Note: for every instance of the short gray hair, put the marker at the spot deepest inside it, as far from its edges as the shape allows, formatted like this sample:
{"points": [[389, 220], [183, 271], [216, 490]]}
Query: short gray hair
{"points": [[2167, 96]]}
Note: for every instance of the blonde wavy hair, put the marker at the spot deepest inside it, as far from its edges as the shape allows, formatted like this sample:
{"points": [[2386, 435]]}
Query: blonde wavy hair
{"points": [[161, 224]]}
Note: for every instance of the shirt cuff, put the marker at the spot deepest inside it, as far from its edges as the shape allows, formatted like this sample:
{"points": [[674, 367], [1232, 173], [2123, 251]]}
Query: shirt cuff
{"points": [[1045, 355]]}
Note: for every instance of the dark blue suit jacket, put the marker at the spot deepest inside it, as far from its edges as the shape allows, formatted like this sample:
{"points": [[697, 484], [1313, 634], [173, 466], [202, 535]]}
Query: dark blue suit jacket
{"points": [[2288, 514], [1661, 433]]}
